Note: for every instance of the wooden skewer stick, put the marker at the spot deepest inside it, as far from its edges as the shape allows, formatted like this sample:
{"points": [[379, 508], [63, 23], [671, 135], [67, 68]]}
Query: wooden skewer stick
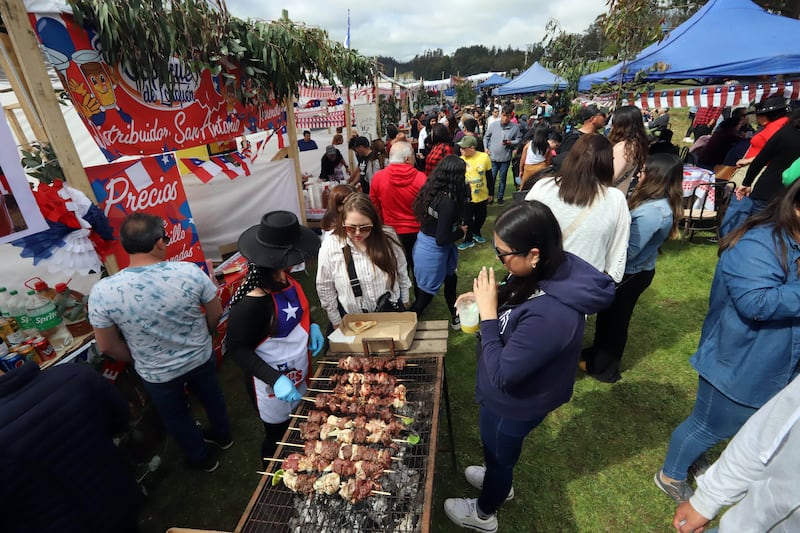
{"points": [[324, 362], [328, 379], [309, 399]]}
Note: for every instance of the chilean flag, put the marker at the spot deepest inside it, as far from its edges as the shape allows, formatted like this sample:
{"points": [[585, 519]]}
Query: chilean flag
{"points": [[204, 170]]}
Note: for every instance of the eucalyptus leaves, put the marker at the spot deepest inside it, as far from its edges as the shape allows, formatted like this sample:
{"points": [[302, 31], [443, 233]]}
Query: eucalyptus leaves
{"points": [[278, 55]]}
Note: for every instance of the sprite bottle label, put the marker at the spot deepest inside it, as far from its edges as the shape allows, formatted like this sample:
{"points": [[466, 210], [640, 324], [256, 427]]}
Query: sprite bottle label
{"points": [[48, 319]]}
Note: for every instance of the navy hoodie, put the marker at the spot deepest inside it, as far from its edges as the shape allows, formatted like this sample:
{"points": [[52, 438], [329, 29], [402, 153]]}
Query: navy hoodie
{"points": [[530, 352]]}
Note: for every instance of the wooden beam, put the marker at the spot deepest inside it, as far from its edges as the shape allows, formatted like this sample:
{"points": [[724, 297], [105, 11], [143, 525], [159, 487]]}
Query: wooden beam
{"points": [[11, 116], [11, 67], [294, 155], [42, 96]]}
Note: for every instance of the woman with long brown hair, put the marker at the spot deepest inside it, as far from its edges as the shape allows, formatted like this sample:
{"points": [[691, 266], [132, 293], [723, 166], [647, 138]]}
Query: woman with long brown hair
{"points": [[655, 211], [363, 245], [629, 140], [330, 220], [748, 348], [593, 215]]}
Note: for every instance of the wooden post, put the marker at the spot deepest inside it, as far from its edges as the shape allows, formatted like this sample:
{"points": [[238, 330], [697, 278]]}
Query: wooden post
{"points": [[377, 99], [348, 123], [42, 96], [11, 67], [294, 155]]}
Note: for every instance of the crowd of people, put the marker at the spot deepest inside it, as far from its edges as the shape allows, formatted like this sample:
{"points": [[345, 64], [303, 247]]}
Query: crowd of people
{"points": [[584, 241]]}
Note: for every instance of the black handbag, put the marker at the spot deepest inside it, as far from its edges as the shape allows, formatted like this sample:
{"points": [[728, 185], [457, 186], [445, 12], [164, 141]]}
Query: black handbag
{"points": [[384, 303]]}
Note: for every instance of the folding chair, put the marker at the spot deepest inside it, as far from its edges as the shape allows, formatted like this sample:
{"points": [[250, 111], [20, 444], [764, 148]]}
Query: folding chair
{"points": [[705, 208]]}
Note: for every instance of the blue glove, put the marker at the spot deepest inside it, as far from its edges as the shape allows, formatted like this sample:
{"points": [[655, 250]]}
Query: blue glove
{"points": [[316, 341], [285, 390]]}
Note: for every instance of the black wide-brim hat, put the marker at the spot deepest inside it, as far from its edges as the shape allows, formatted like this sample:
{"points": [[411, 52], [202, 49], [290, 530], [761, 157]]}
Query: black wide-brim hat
{"points": [[773, 103], [278, 242]]}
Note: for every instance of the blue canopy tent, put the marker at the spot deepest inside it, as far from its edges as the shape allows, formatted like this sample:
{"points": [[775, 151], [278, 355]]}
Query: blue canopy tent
{"points": [[709, 45], [535, 79], [494, 79]]}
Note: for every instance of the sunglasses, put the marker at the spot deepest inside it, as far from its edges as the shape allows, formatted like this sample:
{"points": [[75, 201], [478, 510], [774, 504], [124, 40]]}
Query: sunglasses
{"points": [[502, 255], [357, 228]]}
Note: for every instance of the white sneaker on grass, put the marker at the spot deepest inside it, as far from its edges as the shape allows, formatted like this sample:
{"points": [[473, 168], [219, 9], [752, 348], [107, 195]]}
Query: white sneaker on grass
{"points": [[464, 513], [475, 475]]}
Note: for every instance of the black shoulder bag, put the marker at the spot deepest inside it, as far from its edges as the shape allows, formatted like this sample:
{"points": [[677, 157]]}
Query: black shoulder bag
{"points": [[384, 303]]}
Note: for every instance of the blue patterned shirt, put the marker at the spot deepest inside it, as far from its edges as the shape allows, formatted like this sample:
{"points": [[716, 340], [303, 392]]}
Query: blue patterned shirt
{"points": [[158, 309]]}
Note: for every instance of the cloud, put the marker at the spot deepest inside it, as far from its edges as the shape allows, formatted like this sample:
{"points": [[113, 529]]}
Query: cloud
{"points": [[402, 30]]}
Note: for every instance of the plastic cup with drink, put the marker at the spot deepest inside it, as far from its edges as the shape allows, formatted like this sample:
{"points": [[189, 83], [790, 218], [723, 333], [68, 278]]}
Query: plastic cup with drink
{"points": [[467, 310]]}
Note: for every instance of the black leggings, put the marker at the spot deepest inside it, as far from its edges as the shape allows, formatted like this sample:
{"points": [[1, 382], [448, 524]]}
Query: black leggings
{"points": [[611, 328], [272, 434], [475, 216]]}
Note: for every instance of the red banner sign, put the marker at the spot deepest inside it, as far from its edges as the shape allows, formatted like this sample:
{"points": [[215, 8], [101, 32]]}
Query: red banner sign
{"points": [[150, 185], [128, 117]]}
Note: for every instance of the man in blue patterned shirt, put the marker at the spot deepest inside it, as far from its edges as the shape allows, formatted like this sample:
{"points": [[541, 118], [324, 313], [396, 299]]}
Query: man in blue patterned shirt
{"points": [[159, 315]]}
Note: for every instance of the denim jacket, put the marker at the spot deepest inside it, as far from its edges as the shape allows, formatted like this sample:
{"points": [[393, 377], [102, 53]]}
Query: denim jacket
{"points": [[750, 343], [651, 222]]}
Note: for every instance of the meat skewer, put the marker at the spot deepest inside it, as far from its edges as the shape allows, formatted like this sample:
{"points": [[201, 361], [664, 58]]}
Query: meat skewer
{"points": [[331, 450], [352, 490], [314, 416], [321, 417], [366, 364], [365, 435], [355, 405], [365, 390], [380, 378], [344, 467]]}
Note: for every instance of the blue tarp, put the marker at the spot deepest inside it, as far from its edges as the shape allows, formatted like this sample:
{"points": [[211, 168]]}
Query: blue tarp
{"points": [[725, 38], [494, 79], [535, 79]]}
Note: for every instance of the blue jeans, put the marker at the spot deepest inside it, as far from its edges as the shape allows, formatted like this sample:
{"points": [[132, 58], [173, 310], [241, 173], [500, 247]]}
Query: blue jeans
{"points": [[173, 407], [502, 444], [500, 175], [715, 417]]}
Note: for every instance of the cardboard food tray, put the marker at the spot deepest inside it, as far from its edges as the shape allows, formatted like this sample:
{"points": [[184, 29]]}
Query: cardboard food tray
{"points": [[400, 327]]}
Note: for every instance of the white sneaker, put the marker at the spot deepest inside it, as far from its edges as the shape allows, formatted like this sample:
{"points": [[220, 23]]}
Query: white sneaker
{"points": [[475, 475], [464, 513]]}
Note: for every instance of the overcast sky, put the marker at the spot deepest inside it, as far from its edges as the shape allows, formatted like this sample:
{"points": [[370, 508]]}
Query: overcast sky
{"points": [[405, 29]]}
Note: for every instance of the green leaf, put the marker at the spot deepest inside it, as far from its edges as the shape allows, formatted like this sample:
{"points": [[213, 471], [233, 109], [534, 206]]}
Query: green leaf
{"points": [[277, 477]]}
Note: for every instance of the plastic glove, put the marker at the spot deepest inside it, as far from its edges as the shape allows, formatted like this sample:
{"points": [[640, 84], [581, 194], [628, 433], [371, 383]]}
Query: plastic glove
{"points": [[316, 341], [285, 390]]}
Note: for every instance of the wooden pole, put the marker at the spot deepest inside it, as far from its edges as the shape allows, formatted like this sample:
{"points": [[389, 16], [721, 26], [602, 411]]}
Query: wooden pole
{"points": [[377, 99], [348, 123], [11, 67], [29, 56], [294, 155]]}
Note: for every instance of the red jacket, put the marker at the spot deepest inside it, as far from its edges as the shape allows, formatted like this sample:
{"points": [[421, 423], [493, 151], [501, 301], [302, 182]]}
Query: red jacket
{"points": [[393, 191]]}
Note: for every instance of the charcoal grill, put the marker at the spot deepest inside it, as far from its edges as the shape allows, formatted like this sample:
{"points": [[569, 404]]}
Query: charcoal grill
{"points": [[276, 509]]}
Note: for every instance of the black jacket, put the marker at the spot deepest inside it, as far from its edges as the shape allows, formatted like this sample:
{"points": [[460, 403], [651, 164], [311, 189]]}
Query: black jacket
{"points": [[59, 469]]}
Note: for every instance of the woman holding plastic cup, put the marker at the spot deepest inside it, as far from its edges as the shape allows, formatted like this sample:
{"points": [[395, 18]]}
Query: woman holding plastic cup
{"points": [[531, 331]]}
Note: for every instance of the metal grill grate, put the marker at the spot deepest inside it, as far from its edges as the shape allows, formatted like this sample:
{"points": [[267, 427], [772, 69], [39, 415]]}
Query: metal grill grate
{"points": [[407, 510]]}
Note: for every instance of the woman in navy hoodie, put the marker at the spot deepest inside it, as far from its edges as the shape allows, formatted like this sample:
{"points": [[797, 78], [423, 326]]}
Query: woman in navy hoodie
{"points": [[531, 333]]}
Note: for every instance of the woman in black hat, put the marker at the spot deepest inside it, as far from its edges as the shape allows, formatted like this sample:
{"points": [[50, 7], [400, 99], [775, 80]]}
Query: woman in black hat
{"points": [[269, 328]]}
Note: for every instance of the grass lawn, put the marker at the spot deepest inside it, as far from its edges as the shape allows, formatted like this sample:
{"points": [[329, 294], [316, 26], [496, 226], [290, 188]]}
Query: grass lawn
{"points": [[587, 468]]}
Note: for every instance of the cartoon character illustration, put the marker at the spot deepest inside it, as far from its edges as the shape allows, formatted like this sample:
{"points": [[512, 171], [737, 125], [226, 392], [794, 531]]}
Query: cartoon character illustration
{"points": [[94, 94]]}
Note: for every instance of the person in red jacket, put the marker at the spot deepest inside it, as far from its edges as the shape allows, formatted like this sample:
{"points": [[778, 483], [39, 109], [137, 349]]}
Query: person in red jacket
{"points": [[393, 192]]}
